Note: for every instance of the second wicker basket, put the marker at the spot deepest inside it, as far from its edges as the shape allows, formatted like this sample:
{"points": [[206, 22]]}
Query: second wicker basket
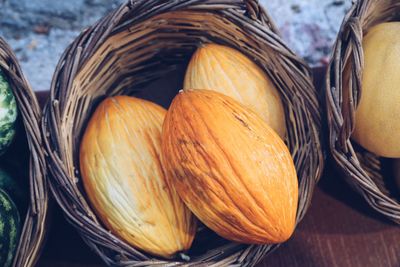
{"points": [[139, 43]]}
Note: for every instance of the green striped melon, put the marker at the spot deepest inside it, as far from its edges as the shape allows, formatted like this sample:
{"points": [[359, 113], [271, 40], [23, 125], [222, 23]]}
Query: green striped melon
{"points": [[8, 114], [9, 229], [14, 189]]}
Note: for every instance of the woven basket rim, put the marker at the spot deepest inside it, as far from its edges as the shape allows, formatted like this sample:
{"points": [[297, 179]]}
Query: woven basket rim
{"points": [[362, 169], [251, 17], [34, 222]]}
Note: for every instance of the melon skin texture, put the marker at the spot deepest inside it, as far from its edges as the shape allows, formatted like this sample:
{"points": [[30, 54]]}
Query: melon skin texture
{"points": [[377, 120], [230, 168], [14, 189], [8, 114], [125, 182], [227, 71], [9, 229]]}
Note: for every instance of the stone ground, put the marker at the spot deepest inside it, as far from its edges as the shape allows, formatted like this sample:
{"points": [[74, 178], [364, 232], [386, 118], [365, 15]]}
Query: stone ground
{"points": [[40, 30]]}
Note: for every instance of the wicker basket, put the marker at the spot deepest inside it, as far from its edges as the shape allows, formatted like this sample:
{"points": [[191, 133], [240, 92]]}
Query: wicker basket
{"points": [[139, 43], [363, 170], [27, 147]]}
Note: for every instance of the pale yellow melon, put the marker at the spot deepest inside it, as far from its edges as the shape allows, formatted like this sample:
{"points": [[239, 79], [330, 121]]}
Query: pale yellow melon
{"points": [[227, 71], [378, 113]]}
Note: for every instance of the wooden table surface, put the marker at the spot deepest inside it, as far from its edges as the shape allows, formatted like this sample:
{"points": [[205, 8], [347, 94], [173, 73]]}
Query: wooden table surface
{"points": [[338, 230]]}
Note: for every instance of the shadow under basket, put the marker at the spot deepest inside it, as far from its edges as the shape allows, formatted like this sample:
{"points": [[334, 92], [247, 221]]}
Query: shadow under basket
{"points": [[142, 49], [25, 161], [368, 174]]}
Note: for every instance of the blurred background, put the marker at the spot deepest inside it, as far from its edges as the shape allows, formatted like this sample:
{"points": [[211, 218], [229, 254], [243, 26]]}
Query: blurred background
{"points": [[40, 30]]}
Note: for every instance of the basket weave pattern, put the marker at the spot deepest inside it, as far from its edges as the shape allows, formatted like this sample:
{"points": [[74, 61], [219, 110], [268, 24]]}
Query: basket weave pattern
{"points": [[140, 42], [362, 169], [34, 226]]}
